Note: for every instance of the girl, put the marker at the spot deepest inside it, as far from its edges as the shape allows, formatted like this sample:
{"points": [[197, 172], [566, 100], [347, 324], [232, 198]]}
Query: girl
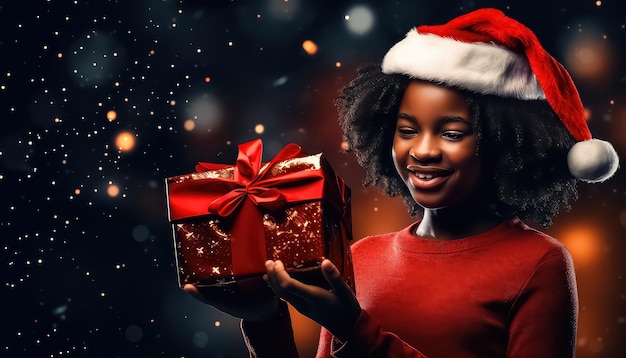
{"points": [[477, 128]]}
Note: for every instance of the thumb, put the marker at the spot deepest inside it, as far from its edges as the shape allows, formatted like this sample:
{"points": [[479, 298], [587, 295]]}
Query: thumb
{"points": [[334, 278]]}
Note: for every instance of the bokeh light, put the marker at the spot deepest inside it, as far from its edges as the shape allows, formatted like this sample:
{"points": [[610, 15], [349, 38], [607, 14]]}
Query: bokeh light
{"points": [[583, 242], [590, 57], [360, 19], [141, 233], [111, 115], [200, 339], [189, 125], [309, 47], [113, 190], [205, 110], [134, 333], [125, 141]]}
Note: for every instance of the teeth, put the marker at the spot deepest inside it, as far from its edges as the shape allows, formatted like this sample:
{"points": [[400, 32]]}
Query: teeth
{"points": [[425, 176]]}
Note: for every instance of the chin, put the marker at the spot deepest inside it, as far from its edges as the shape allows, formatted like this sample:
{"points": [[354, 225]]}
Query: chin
{"points": [[426, 205]]}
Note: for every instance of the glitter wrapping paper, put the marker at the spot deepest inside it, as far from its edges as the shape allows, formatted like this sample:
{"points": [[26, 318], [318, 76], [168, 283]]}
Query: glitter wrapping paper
{"points": [[228, 220]]}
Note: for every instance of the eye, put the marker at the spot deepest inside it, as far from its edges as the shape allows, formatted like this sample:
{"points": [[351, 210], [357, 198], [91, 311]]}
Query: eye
{"points": [[453, 135], [406, 132]]}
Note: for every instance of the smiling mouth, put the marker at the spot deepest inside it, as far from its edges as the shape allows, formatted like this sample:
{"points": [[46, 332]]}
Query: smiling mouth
{"points": [[427, 178]]}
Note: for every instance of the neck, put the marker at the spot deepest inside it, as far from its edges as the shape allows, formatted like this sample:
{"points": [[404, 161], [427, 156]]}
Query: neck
{"points": [[455, 223]]}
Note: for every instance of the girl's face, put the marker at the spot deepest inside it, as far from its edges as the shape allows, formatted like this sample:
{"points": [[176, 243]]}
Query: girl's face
{"points": [[434, 146]]}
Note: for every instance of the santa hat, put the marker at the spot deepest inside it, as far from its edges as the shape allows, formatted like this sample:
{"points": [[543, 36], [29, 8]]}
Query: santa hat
{"points": [[487, 52]]}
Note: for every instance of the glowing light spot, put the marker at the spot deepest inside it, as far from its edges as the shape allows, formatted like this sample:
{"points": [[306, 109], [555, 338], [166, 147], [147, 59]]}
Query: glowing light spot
{"points": [[337, 64], [309, 47], [205, 110], [111, 115], [77, 191], [280, 81], [113, 190], [189, 125], [582, 242], [591, 60], [60, 55], [598, 3], [218, 323], [151, 52], [207, 79], [360, 20], [344, 145], [125, 141], [259, 129]]}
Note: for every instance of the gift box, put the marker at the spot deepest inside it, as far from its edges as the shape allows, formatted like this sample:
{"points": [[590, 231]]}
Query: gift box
{"points": [[228, 220]]}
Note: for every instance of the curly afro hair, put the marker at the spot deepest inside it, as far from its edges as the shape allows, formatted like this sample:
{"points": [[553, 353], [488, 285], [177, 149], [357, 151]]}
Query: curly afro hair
{"points": [[523, 144]]}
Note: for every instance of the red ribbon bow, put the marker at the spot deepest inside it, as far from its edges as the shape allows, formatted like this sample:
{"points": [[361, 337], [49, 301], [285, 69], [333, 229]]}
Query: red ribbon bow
{"points": [[251, 187]]}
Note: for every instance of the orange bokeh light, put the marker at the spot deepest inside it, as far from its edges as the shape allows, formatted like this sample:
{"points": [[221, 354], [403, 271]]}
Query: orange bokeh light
{"points": [[113, 190], [125, 141], [111, 115], [591, 59], [583, 243], [309, 47], [189, 125]]}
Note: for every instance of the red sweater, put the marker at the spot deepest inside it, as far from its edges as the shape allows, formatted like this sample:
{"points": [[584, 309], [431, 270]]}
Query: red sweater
{"points": [[509, 292]]}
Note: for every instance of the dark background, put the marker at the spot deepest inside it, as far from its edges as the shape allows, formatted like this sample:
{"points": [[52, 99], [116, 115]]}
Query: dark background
{"points": [[86, 254]]}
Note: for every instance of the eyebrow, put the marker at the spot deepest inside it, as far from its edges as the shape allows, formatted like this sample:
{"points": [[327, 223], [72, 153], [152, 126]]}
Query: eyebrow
{"points": [[446, 119]]}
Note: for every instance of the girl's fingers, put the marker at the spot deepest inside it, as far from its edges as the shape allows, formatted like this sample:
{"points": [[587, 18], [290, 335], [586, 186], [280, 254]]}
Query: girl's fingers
{"points": [[337, 284], [288, 288]]}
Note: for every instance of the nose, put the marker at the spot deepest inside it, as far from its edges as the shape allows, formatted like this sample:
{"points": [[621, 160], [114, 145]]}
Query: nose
{"points": [[425, 149]]}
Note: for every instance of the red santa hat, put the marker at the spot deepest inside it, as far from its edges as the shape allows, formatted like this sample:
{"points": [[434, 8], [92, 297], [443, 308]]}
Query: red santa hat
{"points": [[487, 52]]}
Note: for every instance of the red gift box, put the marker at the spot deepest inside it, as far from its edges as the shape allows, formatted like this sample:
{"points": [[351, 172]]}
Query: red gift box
{"points": [[228, 220]]}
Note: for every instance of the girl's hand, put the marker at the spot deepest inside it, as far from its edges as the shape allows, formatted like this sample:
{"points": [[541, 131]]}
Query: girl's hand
{"points": [[337, 310], [252, 301]]}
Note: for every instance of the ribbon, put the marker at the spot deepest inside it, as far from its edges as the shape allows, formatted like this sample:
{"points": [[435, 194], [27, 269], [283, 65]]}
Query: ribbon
{"points": [[251, 188]]}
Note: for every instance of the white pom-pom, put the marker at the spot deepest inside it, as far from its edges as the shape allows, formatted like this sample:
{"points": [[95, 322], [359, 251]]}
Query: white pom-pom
{"points": [[592, 160]]}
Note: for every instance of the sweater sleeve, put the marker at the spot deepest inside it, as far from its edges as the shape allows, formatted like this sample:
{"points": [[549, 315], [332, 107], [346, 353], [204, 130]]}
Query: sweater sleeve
{"points": [[270, 339], [367, 339], [544, 318]]}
